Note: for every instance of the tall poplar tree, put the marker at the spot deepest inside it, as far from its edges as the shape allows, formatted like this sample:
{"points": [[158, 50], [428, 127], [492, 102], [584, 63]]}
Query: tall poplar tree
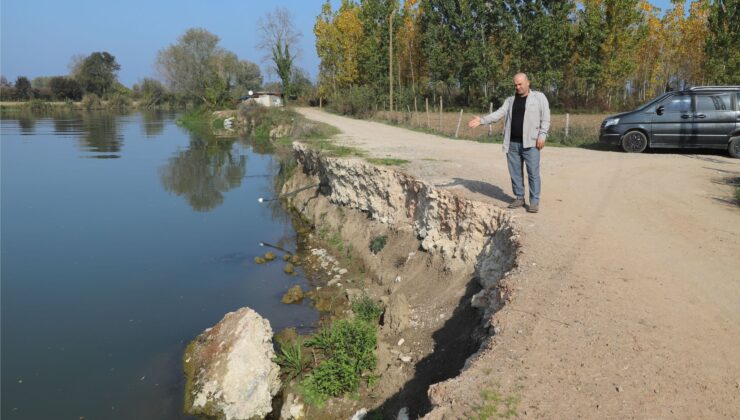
{"points": [[723, 43]]}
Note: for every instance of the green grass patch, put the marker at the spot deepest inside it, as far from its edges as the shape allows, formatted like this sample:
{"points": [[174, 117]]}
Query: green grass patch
{"points": [[218, 124], [737, 194], [388, 161], [332, 149], [336, 242], [343, 352], [497, 406], [367, 309]]}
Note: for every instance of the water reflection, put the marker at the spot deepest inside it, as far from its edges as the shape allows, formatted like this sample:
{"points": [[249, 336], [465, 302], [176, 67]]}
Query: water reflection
{"points": [[100, 134], [27, 123], [203, 172], [152, 123], [68, 125]]}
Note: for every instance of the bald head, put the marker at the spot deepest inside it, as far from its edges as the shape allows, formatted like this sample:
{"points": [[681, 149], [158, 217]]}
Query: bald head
{"points": [[521, 84]]}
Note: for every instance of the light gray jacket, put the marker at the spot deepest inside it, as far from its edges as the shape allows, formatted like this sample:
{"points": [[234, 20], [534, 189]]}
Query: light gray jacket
{"points": [[536, 119]]}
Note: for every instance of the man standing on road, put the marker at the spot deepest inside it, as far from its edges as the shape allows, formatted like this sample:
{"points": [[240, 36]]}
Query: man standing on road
{"points": [[525, 129]]}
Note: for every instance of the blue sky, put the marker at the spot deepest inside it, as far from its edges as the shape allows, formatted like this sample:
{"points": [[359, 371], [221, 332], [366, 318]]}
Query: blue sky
{"points": [[39, 37]]}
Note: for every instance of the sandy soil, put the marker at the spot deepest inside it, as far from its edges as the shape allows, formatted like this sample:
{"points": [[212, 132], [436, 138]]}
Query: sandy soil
{"points": [[628, 290]]}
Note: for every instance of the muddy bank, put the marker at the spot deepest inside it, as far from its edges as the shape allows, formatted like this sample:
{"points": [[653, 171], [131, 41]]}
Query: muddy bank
{"points": [[441, 272]]}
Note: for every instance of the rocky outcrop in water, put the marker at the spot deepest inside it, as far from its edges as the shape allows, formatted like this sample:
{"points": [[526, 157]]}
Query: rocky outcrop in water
{"points": [[229, 369]]}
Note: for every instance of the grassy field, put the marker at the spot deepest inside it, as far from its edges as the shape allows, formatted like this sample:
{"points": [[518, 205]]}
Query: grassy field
{"points": [[583, 128]]}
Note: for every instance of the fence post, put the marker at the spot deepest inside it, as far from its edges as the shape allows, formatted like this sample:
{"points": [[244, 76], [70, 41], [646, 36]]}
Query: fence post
{"points": [[440, 114], [567, 124], [429, 121], [490, 127], [459, 119], [416, 112]]}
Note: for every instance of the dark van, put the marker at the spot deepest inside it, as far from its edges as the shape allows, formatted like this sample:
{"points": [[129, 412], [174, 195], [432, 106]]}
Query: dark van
{"points": [[705, 117]]}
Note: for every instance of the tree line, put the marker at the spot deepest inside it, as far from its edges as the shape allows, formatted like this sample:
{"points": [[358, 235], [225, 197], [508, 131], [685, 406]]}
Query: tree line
{"points": [[587, 54], [194, 70]]}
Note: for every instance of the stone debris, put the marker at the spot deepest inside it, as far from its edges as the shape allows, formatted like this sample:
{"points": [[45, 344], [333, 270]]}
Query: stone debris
{"points": [[293, 295], [403, 414], [397, 313], [293, 408]]}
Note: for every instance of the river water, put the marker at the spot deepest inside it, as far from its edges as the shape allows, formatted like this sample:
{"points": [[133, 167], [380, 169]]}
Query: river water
{"points": [[122, 238]]}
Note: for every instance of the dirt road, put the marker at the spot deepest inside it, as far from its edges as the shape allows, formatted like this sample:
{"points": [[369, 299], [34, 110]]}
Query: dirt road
{"points": [[628, 301]]}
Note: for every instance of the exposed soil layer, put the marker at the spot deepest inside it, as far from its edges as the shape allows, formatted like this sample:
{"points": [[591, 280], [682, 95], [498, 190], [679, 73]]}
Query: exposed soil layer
{"points": [[425, 274]]}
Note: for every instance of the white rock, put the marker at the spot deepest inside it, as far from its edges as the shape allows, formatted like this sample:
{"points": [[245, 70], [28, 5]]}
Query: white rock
{"points": [[403, 414], [401, 341], [360, 414], [239, 379]]}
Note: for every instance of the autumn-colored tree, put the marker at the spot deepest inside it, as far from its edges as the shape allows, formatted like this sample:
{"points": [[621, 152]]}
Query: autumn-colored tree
{"points": [[338, 37], [694, 33], [645, 82], [581, 53]]}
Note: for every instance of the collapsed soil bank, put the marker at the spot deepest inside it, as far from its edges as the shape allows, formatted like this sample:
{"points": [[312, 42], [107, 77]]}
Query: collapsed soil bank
{"points": [[439, 274]]}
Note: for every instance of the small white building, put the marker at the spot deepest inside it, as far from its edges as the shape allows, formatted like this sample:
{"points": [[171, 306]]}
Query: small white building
{"points": [[268, 99]]}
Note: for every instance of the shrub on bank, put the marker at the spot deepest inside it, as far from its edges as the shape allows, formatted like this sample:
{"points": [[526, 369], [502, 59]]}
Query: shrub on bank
{"points": [[118, 101], [358, 102], [346, 350], [38, 106], [91, 101]]}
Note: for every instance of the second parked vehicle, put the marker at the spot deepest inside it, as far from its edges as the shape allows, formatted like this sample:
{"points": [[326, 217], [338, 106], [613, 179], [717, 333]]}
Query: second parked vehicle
{"points": [[699, 117]]}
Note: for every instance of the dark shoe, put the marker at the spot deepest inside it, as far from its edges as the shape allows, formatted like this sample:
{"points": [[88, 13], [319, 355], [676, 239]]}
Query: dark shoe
{"points": [[533, 207], [516, 203]]}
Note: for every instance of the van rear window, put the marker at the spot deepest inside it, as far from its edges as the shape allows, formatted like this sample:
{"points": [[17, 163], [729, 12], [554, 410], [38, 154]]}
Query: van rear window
{"points": [[715, 102]]}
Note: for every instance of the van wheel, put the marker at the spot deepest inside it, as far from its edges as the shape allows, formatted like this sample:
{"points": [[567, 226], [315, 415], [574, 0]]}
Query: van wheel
{"points": [[634, 142], [734, 148]]}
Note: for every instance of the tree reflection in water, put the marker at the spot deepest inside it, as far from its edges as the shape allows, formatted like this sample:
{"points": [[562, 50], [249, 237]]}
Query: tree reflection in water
{"points": [[204, 171], [100, 134], [152, 123]]}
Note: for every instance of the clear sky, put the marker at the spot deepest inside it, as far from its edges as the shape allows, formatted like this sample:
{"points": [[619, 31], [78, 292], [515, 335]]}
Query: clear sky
{"points": [[39, 37]]}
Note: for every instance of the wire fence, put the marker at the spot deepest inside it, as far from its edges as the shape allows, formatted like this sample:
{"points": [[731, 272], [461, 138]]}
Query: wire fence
{"points": [[565, 129]]}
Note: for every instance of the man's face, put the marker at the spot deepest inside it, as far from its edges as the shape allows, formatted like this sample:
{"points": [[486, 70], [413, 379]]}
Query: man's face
{"points": [[521, 84]]}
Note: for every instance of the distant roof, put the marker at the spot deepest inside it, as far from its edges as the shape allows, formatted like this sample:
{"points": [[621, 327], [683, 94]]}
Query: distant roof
{"points": [[258, 94]]}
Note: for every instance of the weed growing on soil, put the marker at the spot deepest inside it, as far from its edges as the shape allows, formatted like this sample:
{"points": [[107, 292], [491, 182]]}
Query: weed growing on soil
{"points": [[387, 161], [331, 149], [346, 350], [378, 243], [367, 310], [336, 242], [291, 358], [497, 406]]}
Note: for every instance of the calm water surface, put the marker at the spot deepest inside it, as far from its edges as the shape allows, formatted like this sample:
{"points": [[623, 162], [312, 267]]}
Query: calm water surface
{"points": [[122, 238]]}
